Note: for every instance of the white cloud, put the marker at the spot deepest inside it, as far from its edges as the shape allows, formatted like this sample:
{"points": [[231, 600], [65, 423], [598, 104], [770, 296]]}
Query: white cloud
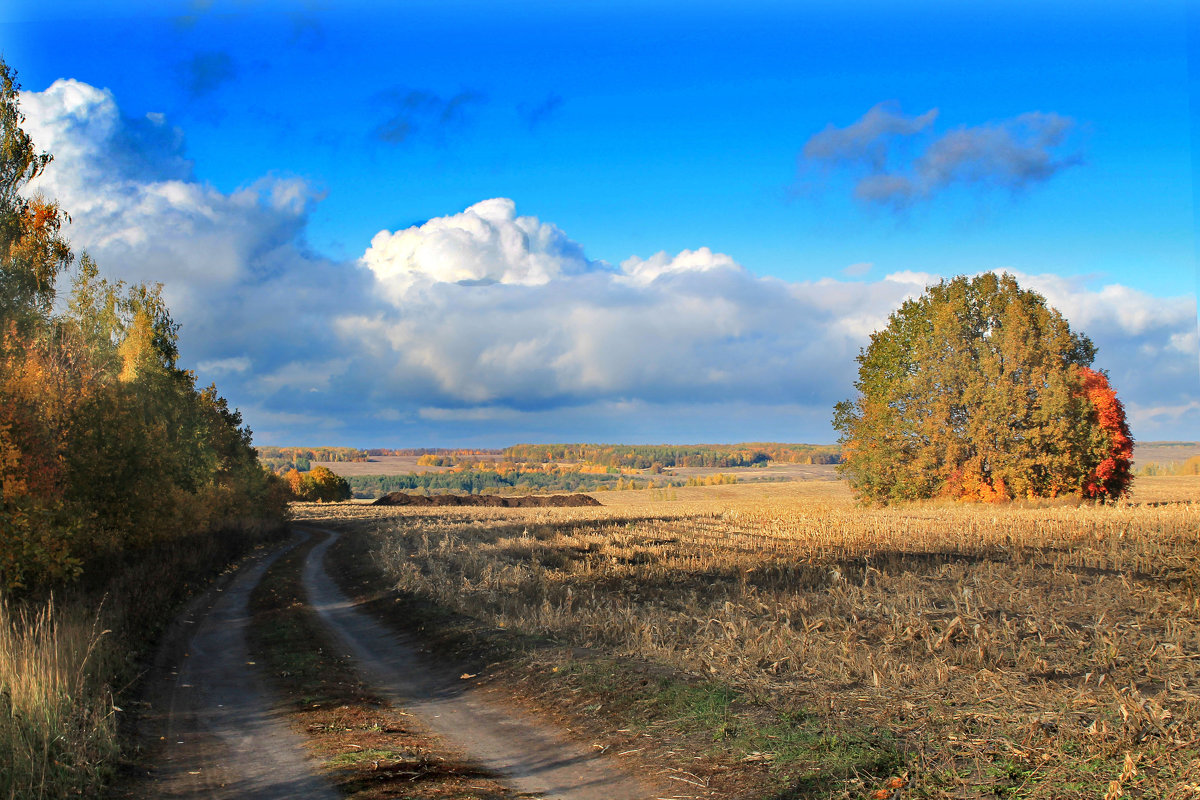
{"points": [[486, 243], [128, 189], [643, 271], [222, 366], [488, 323], [235, 273]]}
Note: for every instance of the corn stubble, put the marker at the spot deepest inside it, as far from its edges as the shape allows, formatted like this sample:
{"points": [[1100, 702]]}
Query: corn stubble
{"points": [[1046, 651]]}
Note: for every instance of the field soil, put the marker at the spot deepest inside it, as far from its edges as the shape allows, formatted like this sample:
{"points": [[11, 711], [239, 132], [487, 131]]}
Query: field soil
{"points": [[775, 640]]}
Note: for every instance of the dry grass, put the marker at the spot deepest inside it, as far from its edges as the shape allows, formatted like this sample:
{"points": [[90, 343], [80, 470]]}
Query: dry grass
{"points": [[1041, 651], [57, 730]]}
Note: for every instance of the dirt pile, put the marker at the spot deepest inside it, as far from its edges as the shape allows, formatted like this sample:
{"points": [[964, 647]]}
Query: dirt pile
{"points": [[491, 500]]}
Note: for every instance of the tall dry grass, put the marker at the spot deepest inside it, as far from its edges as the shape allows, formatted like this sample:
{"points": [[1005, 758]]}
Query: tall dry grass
{"points": [[57, 724], [60, 666], [1034, 650]]}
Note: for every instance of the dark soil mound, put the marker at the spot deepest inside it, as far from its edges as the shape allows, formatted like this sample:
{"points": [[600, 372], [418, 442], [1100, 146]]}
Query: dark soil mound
{"points": [[491, 500]]}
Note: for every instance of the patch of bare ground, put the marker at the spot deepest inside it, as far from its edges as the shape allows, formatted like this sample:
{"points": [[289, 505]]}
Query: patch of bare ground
{"points": [[369, 749], [778, 641]]}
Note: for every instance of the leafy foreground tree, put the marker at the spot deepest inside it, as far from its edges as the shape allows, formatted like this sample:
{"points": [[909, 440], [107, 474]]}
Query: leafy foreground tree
{"points": [[122, 486], [978, 390]]}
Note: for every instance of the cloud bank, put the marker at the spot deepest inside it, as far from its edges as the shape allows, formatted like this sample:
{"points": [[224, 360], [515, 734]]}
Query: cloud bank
{"points": [[491, 326], [878, 149]]}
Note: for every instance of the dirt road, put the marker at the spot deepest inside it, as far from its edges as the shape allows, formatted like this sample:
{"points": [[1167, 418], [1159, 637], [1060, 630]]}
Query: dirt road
{"points": [[537, 758], [220, 734]]}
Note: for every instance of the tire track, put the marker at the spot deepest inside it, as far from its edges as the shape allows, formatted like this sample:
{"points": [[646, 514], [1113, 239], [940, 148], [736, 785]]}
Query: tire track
{"points": [[537, 759], [221, 735]]}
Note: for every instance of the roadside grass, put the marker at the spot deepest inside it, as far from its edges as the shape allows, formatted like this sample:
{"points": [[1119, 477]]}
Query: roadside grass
{"points": [[57, 728], [69, 664], [371, 750], [1017, 651]]}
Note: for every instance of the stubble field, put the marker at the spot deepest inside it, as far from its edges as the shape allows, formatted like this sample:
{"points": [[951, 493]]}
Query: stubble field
{"points": [[776, 640]]}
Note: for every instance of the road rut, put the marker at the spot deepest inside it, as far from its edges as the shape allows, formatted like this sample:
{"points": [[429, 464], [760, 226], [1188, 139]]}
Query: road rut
{"points": [[222, 735], [536, 758]]}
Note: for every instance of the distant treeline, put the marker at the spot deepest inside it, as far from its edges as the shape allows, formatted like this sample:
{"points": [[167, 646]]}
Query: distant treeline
{"points": [[611, 456], [341, 454], [493, 482], [433, 451], [281, 459], [698, 455]]}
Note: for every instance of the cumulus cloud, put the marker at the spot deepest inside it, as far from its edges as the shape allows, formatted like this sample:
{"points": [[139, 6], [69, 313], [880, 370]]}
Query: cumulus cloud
{"points": [[128, 187], [1011, 154], [487, 243], [233, 266], [492, 326], [417, 112], [492, 308]]}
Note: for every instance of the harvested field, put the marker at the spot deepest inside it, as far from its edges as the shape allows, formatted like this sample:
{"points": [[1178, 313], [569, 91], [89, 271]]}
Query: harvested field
{"points": [[775, 640], [488, 500], [1165, 453]]}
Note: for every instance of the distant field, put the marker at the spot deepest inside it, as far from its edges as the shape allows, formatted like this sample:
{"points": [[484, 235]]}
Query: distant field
{"points": [[774, 472], [404, 465], [1164, 452], [1144, 453]]}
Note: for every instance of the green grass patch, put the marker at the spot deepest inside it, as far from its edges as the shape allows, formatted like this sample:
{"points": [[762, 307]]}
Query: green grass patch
{"points": [[806, 757], [287, 638]]}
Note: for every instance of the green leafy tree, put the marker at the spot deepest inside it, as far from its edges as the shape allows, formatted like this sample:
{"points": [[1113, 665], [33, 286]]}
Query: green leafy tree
{"points": [[107, 448], [978, 390]]}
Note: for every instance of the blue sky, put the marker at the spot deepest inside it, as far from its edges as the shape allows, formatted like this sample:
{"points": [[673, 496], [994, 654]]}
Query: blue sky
{"points": [[801, 168]]}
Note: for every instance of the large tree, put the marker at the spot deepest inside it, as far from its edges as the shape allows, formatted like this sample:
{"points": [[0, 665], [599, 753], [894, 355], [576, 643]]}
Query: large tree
{"points": [[107, 447], [979, 390]]}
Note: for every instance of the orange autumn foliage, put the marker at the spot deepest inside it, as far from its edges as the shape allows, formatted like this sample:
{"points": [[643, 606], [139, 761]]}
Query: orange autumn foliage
{"points": [[1112, 475], [979, 391]]}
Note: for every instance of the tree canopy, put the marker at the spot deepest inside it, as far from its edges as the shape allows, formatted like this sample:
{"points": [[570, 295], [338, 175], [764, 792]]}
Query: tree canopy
{"points": [[106, 445], [320, 485], [978, 390]]}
